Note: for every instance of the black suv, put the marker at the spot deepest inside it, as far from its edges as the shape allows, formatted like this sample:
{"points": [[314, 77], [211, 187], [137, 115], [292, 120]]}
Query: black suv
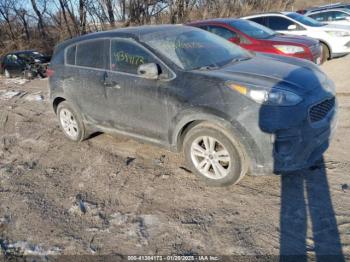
{"points": [[16, 63], [230, 111]]}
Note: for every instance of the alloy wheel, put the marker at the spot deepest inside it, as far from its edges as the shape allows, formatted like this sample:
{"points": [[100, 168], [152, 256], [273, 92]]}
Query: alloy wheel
{"points": [[210, 157], [69, 123]]}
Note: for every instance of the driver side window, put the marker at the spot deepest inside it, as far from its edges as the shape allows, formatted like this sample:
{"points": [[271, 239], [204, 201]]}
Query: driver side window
{"points": [[127, 57]]}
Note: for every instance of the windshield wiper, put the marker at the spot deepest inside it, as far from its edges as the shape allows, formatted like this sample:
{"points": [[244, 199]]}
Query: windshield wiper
{"points": [[208, 67], [235, 60]]}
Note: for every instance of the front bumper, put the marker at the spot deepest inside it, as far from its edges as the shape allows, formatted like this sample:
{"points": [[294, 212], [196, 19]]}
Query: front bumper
{"points": [[292, 148], [341, 47], [306, 148]]}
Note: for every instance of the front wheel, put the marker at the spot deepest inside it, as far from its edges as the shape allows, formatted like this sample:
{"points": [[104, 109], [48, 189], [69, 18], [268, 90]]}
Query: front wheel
{"points": [[214, 156]]}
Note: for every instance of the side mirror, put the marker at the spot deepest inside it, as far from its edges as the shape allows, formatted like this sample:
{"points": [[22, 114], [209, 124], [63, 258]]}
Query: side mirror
{"points": [[292, 27], [149, 71], [235, 40]]}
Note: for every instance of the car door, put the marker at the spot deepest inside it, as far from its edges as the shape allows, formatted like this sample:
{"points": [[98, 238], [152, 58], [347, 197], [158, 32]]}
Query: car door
{"points": [[136, 104], [85, 66], [283, 25]]}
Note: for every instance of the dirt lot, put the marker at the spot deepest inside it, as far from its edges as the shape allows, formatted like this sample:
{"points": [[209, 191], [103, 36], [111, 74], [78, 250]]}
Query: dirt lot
{"points": [[116, 196]]}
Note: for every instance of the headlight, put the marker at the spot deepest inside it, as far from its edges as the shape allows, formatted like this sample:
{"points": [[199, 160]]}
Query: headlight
{"points": [[338, 33], [273, 97], [289, 49]]}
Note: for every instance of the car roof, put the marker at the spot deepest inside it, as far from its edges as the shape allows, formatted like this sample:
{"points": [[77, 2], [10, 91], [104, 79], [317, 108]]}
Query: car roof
{"points": [[326, 7], [127, 32], [328, 10], [266, 14]]}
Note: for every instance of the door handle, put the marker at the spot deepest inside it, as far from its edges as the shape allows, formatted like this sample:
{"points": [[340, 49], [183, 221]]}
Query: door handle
{"points": [[110, 83], [113, 85]]}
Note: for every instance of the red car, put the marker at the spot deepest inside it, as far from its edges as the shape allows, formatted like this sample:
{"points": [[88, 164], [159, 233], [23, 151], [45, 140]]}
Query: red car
{"points": [[258, 38]]}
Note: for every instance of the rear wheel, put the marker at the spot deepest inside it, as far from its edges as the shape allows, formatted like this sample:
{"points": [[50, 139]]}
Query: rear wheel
{"points": [[71, 123], [214, 156], [325, 53]]}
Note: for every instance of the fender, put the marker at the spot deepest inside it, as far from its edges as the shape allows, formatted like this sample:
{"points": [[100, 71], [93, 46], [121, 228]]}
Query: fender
{"points": [[235, 129]]}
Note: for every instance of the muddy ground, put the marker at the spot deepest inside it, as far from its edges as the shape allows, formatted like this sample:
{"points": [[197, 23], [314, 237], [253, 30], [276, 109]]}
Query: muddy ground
{"points": [[112, 195]]}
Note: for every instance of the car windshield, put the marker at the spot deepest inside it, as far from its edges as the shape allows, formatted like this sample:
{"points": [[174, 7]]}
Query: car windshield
{"points": [[192, 48], [308, 21], [253, 29]]}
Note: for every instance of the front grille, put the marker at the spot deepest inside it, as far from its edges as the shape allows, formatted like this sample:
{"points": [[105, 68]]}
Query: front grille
{"points": [[320, 111]]}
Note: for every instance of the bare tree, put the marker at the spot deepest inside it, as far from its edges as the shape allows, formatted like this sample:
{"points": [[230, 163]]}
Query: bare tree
{"points": [[47, 22], [22, 14], [39, 15], [63, 4], [82, 17], [110, 11], [6, 8]]}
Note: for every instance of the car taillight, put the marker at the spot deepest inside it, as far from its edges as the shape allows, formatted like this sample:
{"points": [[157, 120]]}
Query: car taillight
{"points": [[49, 72]]}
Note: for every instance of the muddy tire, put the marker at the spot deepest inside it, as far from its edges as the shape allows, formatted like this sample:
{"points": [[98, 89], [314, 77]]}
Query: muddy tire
{"points": [[7, 73], [71, 122], [214, 156], [325, 53]]}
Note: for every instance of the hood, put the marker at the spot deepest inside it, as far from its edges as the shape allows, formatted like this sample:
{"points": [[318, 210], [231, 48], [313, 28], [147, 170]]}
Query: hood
{"points": [[289, 39], [273, 71], [336, 27]]}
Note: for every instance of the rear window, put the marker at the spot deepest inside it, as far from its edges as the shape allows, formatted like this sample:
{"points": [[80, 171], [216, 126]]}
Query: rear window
{"points": [[57, 56], [259, 20], [70, 55], [92, 54], [279, 23]]}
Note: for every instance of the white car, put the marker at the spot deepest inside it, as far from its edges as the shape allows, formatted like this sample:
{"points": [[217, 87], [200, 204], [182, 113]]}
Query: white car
{"points": [[335, 39], [332, 17]]}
